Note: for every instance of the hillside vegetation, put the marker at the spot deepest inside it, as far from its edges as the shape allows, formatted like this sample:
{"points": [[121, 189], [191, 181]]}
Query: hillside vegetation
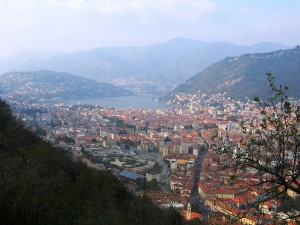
{"points": [[40, 184], [45, 84], [245, 75]]}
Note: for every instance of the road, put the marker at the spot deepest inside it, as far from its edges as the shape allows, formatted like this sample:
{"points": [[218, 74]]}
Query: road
{"points": [[164, 173], [195, 198], [164, 176]]}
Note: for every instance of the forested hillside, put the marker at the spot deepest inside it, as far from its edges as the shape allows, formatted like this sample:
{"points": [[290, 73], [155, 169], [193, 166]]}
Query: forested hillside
{"points": [[45, 84], [40, 184], [244, 75]]}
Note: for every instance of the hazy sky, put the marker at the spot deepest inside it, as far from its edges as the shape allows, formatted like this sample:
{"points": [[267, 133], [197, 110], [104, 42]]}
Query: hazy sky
{"points": [[71, 25]]}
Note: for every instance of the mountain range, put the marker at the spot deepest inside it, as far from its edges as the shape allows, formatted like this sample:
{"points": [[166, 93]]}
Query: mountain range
{"points": [[167, 64], [244, 75], [44, 84]]}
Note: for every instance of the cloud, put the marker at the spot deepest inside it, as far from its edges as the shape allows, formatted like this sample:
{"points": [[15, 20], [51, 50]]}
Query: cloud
{"points": [[110, 7], [76, 4], [156, 8], [22, 13], [85, 24]]}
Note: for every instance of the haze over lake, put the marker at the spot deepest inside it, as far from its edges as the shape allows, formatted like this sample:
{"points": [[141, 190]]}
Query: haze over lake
{"points": [[126, 102]]}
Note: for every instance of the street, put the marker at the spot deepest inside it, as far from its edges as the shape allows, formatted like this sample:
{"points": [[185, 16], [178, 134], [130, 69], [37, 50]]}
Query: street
{"points": [[195, 198]]}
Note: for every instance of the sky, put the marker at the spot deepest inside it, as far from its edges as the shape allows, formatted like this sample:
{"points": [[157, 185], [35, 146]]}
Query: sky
{"points": [[76, 25]]}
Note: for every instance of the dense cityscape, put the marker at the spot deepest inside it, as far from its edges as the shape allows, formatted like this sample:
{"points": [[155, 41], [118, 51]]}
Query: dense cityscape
{"points": [[165, 154], [141, 112]]}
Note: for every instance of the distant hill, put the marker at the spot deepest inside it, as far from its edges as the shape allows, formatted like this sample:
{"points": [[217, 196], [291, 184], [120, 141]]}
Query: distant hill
{"points": [[244, 75], [9, 64], [46, 84], [168, 63], [43, 185]]}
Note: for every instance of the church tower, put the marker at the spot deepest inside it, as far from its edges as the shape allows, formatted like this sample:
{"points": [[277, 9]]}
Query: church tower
{"points": [[189, 212]]}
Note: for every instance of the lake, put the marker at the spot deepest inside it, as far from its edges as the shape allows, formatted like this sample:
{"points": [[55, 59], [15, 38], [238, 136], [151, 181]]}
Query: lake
{"points": [[122, 102]]}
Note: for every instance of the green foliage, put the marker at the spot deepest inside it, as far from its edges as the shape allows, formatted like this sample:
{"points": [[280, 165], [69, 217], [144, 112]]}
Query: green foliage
{"points": [[94, 141], [158, 129], [245, 74], [43, 185], [155, 169], [50, 85], [122, 132], [188, 127], [152, 185], [40, 131], [288, 203], [119, 123], [66, 139], [209, 126], [127, 142], [167, 139], [195, 222], [232, 118]]}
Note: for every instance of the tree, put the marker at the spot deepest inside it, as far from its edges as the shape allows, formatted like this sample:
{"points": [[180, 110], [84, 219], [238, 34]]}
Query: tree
{"points": [[43, 185], [41, 131], [272, 154], [94, 141], [232, 118], [66, 139], [188, 127], [167, 139], [152, 185]]}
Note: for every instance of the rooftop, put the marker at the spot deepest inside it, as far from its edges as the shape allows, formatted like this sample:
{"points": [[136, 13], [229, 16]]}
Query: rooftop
{"points": [[131, 175]]}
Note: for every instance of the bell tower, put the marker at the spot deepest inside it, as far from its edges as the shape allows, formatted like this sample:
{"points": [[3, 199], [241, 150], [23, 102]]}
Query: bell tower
{"points": [[189, 212]]}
